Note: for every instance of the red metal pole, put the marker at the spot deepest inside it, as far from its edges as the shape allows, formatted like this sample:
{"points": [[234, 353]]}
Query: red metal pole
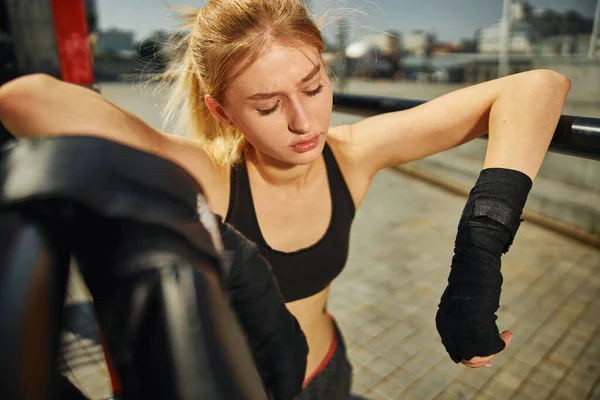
{"points": [[72, 41]]}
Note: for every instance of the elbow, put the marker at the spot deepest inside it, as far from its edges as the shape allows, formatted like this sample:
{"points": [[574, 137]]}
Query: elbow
{"points": [[551, 80], [20, 97], [21, 92]]}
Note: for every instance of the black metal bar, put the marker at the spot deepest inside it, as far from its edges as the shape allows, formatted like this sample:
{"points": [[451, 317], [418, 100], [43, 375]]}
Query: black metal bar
{"points": [[33, 277], [574, 135]]}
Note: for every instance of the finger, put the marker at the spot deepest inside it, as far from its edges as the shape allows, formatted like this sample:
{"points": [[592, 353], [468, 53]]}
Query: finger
{"points": [[478, 365], [479, 360], [507, 337], [475, 366]]}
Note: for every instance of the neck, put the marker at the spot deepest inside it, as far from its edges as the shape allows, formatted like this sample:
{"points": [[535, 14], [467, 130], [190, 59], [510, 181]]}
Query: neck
{"points": [[276, 173]]}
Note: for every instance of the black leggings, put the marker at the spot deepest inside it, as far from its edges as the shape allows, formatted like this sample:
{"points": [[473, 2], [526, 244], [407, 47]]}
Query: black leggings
{"points": [[333, 379]]}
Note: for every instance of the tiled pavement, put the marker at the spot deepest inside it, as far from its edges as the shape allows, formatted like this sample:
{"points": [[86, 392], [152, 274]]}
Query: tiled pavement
{"points": [[385, 302]]}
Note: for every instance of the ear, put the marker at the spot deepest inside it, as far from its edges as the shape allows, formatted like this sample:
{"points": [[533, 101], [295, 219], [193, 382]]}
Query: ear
{"points": [[218, 110]]}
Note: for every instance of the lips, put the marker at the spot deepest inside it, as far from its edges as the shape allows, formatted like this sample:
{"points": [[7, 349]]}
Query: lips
{"points": [[306, 144]]}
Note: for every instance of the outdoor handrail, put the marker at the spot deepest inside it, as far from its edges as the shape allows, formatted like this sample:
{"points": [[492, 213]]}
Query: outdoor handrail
{"points": [[575, 136]]}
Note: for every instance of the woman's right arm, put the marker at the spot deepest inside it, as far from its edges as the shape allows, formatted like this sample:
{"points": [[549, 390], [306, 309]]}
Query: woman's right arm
{"points": [[41, 106]]}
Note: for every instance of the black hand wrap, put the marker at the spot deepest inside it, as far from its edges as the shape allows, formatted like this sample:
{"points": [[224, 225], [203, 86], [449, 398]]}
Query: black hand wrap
{"points": [[466, 319], [275, 338]]}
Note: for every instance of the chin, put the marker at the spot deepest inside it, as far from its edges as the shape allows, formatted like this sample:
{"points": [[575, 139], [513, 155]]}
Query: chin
{"points": [[305, 159]]}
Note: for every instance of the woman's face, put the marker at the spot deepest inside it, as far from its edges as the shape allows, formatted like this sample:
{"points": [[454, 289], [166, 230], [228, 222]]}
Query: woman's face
{"points": [[283, 103]]}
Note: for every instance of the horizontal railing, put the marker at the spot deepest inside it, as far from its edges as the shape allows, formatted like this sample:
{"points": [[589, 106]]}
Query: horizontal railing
{"points": [[574, 135]]}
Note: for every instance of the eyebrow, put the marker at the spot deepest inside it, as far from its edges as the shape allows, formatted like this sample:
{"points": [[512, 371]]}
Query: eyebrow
{"points": [[264, 96]]}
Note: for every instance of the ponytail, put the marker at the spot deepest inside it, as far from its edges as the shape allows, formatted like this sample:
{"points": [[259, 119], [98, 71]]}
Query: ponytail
{"points": [[186, 109]]}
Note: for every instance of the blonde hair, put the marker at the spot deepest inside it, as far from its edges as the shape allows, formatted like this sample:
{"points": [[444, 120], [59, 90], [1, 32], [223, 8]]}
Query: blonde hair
{"points": [[226, 37]]}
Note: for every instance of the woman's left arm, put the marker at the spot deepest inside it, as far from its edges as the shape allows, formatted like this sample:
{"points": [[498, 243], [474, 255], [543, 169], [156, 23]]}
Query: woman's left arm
{"points": [[519, 112]]}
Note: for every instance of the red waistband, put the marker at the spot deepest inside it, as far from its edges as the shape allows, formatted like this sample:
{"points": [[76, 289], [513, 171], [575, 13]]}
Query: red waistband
{"points": [[323, 364]]}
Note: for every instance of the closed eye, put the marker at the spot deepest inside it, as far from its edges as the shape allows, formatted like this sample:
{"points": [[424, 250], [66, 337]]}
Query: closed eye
{"points": [[310, 93], [315, 92], [271, 110]]}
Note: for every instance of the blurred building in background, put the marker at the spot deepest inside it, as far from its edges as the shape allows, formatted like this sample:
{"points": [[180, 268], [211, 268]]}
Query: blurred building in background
{"points": [[114, 41], [535, 36], [32, 35], [374, 56], [28, 38], [418, 43], [540, 32], [522, 35]]}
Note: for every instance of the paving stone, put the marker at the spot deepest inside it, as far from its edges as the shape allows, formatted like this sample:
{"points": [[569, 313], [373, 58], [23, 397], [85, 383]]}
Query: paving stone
{"points": [[531, 354], [460, 389], [520, 369], [582, 330], [566, 352], [430, 385], [417, 366], [373, 329], [388, 389], [366, 377], [361, 354], [483, 396], [559, 396], [444, 395], [556, 370], [498, 390], [371, 394], [574, 391], [364, 314], [521, 396], [403, 377], [358, 389], [398, 356], [589, 368], [380, 346], [596, 392], [360, 335], [508, 379], [382, 366], [447, 368], [536, 390], [476, 377]]}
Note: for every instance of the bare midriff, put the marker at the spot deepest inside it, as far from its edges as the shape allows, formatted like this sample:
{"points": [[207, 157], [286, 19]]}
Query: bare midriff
{"points": [[317, 326]]}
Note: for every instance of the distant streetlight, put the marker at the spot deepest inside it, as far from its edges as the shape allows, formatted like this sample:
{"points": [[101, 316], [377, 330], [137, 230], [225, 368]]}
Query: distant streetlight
{"points": [[342, 41], [594, 38], [503, 59]]}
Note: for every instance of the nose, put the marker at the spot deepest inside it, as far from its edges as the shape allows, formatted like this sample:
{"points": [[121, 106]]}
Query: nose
{"points": [[299, 119]]}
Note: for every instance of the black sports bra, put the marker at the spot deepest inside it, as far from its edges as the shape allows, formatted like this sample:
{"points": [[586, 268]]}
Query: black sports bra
{"points": [[307, 271]]}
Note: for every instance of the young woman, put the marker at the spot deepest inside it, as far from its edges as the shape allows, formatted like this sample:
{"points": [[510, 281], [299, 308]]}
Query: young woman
{"points": [[258, 100]]}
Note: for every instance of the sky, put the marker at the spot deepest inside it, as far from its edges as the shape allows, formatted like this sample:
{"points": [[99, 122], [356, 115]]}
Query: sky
{"points": [[449, 19]]}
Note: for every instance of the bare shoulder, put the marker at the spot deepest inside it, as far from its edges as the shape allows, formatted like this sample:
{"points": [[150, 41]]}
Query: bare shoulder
{"points": [[190, 155], [339, 140]]}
